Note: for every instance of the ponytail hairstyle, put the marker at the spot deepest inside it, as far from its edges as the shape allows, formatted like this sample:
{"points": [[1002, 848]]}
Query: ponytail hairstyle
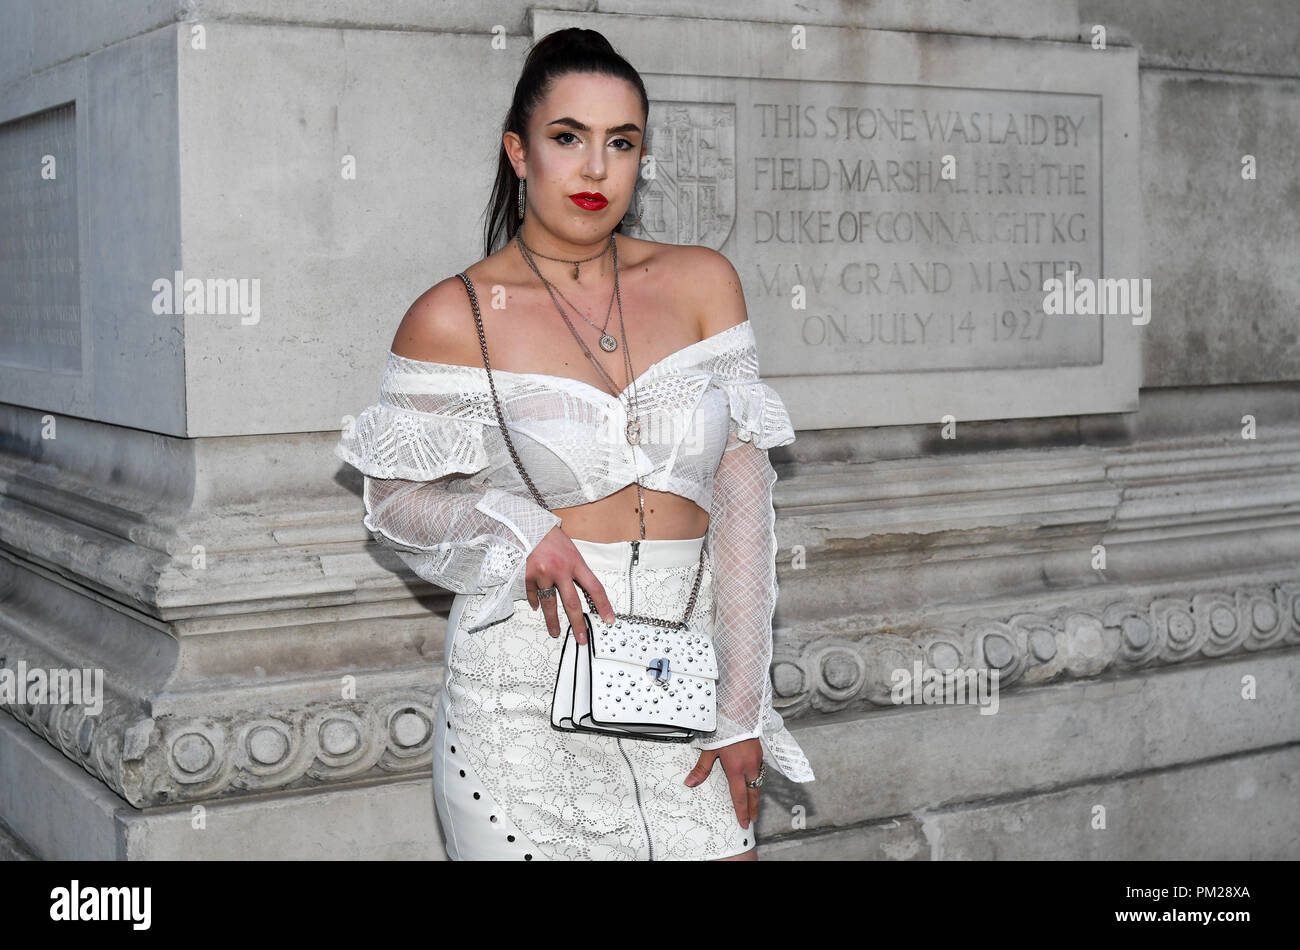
{"points": [[571, 50]]}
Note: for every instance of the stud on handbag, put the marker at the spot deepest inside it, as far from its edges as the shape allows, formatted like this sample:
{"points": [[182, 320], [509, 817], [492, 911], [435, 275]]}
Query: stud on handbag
{"points": [[638, 678]]}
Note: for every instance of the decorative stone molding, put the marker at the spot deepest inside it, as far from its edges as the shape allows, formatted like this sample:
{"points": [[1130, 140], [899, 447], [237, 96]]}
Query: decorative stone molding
{"points": [[831, 673], [174, 758]]}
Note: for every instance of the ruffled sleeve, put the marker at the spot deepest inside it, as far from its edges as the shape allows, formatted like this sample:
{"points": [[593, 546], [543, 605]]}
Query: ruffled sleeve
{"points": [[386, 441], [757, 413], [418, 448], [742, 542]]}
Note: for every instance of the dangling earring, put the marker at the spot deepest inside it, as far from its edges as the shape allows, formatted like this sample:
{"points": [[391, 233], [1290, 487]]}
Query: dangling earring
{"points": [[637, 219], [521, 199]]}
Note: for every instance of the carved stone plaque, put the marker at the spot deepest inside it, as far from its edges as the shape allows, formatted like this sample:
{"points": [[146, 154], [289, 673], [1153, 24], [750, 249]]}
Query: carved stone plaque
{"points": [[895, 203]]}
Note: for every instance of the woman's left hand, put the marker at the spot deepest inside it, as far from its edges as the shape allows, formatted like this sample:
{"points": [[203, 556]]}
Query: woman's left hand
{"points": [[740, 763]]}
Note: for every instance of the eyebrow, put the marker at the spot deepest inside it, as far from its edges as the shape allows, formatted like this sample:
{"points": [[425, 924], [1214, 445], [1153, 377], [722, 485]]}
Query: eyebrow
{"points": [[583, 127]]}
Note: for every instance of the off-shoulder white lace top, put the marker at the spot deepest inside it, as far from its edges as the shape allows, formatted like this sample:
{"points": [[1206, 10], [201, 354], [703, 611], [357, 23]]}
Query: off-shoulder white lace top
{"points": [[442, 491]]}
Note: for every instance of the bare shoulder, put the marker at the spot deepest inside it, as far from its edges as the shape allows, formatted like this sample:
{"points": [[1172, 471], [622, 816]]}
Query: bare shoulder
{"points": [[713, 285], [439, 326]]}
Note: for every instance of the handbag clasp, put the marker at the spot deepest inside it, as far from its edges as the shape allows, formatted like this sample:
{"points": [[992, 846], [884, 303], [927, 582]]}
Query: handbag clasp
{"points": [[659, 669]]}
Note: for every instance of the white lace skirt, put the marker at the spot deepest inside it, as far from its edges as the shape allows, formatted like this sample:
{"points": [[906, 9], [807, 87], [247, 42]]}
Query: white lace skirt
{"points": [[509, 786]]}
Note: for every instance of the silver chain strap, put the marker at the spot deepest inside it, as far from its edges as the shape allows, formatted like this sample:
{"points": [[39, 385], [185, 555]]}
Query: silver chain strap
{"points": [[501, 420]]}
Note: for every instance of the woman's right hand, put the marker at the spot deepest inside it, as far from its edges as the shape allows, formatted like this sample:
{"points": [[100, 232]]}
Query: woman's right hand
{"points": [[556, 562]]}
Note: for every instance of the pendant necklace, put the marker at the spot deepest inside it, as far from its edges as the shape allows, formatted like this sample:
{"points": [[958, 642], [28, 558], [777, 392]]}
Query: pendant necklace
{"points": [[563, 260], [632, 431], [607, 342]]}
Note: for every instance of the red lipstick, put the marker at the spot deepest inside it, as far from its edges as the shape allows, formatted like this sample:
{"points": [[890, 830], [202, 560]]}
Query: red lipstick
{"points": [[589, 200]]}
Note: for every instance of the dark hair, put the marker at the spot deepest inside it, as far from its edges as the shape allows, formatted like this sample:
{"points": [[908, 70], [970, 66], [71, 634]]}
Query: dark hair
{"points": [[571, 50]]}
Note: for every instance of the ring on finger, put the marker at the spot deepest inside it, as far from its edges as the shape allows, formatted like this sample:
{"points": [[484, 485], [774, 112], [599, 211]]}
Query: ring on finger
{"points": [[544, 592], [758, 779]]}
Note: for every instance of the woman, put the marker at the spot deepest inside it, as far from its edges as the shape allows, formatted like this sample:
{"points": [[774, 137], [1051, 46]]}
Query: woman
{"points": [[653, 334]]}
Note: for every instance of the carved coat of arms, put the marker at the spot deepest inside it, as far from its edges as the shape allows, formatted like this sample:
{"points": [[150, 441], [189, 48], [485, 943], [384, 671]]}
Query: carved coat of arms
{"points": [[691, 198]]}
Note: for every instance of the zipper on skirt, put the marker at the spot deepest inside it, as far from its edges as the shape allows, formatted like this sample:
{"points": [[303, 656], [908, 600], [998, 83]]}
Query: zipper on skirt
{"points": [[631, 586], [636, 790]]}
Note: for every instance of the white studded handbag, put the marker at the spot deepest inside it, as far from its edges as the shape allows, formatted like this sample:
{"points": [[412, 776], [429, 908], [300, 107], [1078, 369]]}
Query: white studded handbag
{"points": [[639, 677]]}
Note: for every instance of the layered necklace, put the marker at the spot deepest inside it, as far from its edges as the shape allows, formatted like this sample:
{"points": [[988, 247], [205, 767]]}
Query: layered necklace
{"points": [[607, 343]]}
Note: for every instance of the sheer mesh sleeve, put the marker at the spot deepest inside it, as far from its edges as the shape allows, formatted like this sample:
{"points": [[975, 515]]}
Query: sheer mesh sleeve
{"points": [[419, 448], [742, 539], [466, 539]]}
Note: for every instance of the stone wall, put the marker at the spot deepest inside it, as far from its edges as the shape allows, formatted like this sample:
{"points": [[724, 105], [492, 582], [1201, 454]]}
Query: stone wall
{"points": [[171, 512]]}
